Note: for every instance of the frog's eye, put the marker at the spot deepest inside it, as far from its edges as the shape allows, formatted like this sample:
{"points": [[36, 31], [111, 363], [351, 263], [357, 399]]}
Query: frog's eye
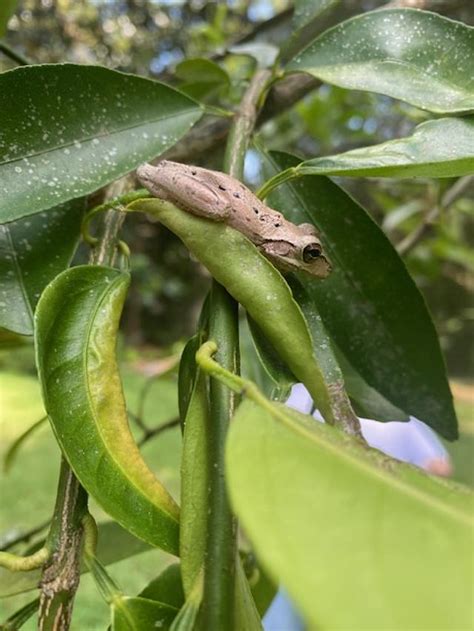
{"points": [[311, 252]]}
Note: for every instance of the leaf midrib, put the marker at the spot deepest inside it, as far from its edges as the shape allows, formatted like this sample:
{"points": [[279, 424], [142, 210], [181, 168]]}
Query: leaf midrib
{"points": [[88, 139], [89, 329], [375, 472]]}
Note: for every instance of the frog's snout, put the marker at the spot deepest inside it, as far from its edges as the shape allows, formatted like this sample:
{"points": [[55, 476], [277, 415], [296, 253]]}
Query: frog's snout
{"points": [[145, 173]]}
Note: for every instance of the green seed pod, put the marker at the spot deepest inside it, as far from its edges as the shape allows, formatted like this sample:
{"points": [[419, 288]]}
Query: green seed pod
{"points": [[77, 319]]}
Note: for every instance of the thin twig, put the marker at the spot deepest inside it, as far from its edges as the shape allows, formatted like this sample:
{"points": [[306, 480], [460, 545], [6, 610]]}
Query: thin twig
{"points": [[221, 541], [14, 55], [450, 196], [60, 577], [24, 537], [152, 433]]}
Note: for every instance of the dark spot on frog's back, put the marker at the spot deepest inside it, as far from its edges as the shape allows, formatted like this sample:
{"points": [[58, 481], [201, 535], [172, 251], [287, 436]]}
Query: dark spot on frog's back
{"points": [[255, 210], [222, 188], [236, 195]]}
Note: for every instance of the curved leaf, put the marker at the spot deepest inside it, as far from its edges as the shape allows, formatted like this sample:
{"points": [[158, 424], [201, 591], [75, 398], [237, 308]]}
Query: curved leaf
{"points": [[70, 129], [167, 587], [33, 251], [195, 484], [415, 56], [76, 327], [133, 613], [236, 264], [437, 148], [370, 304], [332, 518]]}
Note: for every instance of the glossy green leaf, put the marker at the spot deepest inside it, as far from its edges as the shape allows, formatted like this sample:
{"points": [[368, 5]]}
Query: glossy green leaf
{"points": [[341, 377], [437, 148], [71, 129], [194, 484], [367, 401], [332, 518], [236, 264], [7, 7], [278, 372], [415, 56], [33, 251], [115, 544], [132, 613], [167, 587], [76, 331], [370, 304]]}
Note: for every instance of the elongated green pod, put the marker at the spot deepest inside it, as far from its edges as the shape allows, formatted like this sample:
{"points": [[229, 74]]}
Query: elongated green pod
{"points": [[194, 484], [77, 320], [253, 281]]}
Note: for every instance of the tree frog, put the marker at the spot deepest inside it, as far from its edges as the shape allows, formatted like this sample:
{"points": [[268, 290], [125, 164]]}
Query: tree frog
{"points": [[220, 197]]}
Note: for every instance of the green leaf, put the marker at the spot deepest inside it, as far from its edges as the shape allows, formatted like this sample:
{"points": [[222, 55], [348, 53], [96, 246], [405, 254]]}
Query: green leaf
{"points": [[202, 70], [381, 544], [167, 587], [115, 544], [132, 613], [367, 401], [77, 320], [437, 148], [7, 7], [308, 10], [235, 263], [415, 56], [370, 304], [71, 129], [341, 378], [278, 372], [18, 619], [195, 484], [33, 251], [186, 618], [247, 617]]}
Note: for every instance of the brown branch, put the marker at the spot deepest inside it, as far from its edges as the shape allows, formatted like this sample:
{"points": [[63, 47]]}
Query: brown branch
{"points": [[151, 433], [429, 220], [60, 577]]}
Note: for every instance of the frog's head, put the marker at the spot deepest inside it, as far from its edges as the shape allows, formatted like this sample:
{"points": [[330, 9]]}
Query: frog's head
{"points": [[299, 250]]}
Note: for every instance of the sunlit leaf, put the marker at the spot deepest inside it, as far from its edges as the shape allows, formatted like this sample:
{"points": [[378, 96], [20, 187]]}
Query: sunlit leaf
{"points": [[332, 518], [437, 148], [76, 326], [70, 129], [415, 56]]}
